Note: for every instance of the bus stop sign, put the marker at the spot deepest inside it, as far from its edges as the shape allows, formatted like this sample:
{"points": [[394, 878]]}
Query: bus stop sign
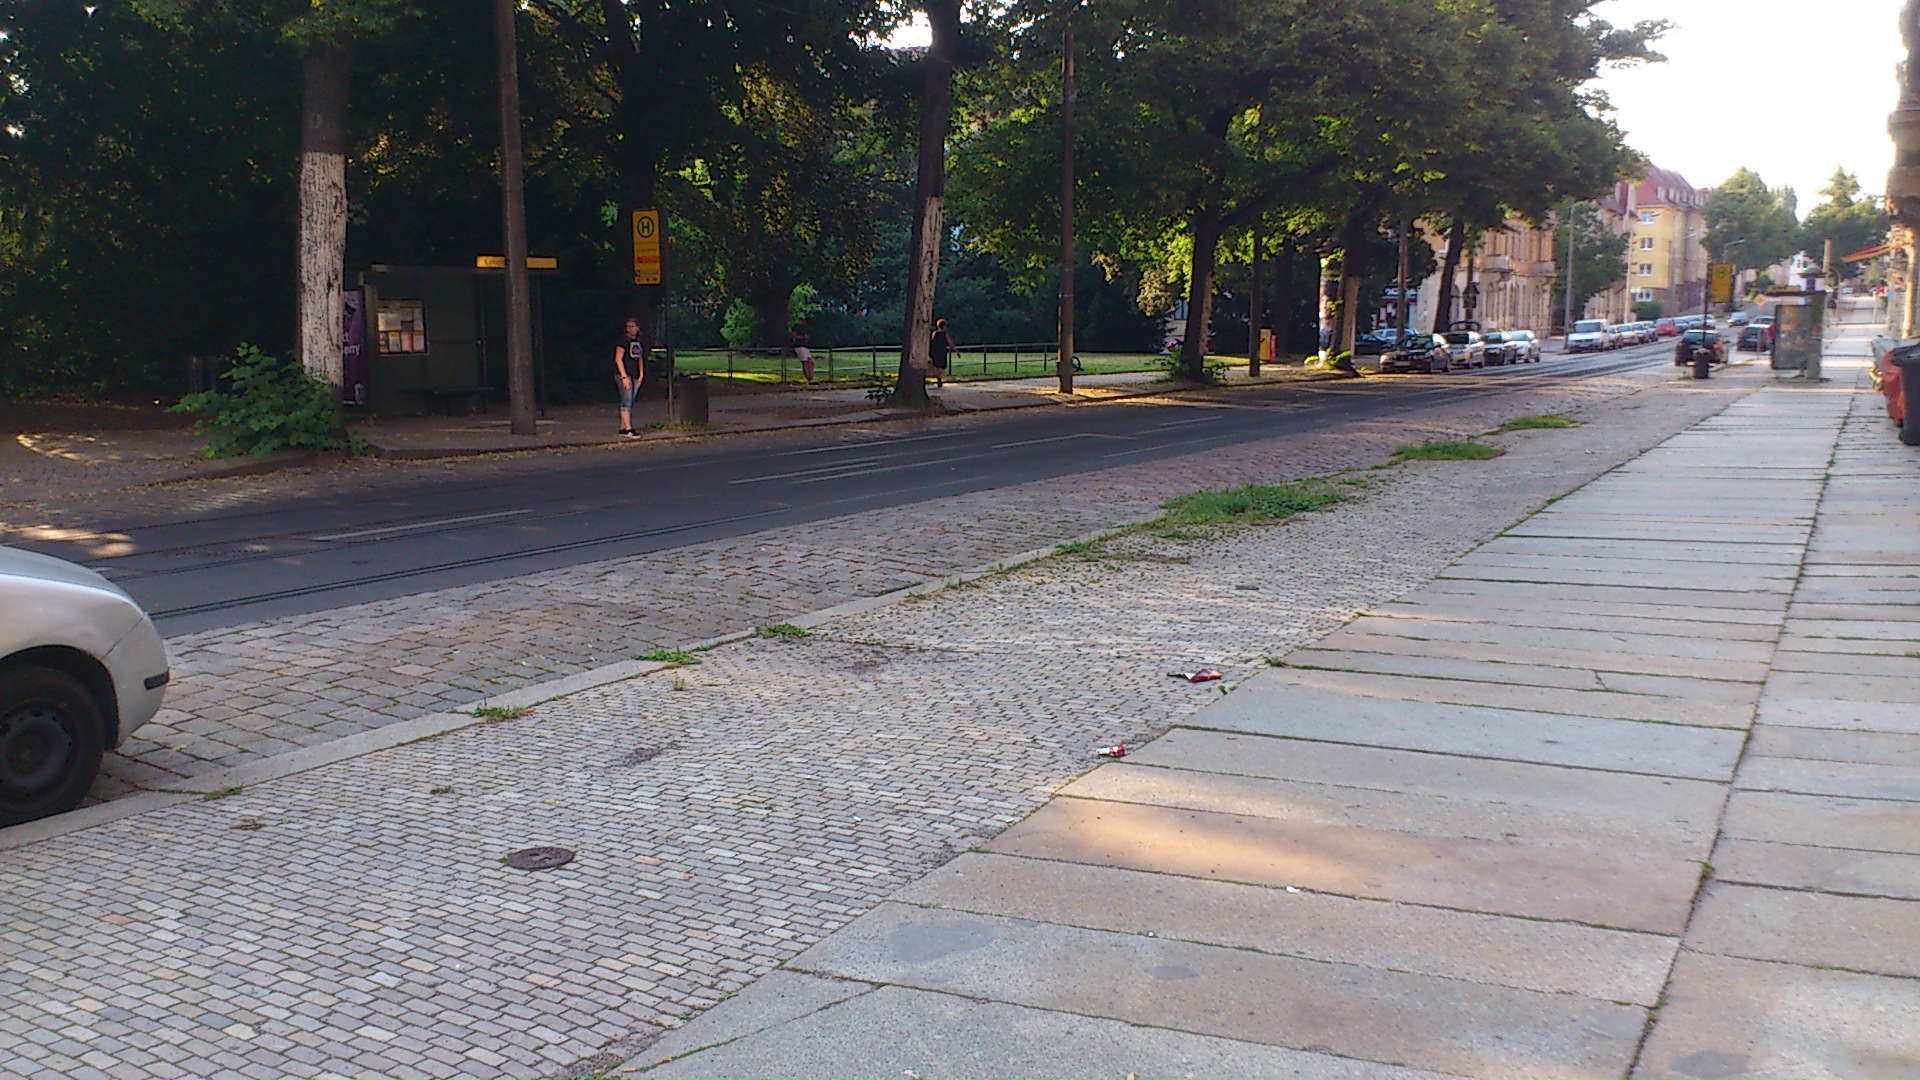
{"points": [[1720, 283], [646, 247]]}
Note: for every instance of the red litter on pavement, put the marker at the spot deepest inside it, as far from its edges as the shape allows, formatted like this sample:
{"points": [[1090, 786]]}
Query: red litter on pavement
{"points": [[1116, 750], [1205, 674]]}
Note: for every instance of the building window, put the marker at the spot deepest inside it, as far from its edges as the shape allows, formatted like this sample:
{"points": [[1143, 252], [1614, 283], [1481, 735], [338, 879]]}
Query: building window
{"points": [[1648, 217], [1646, 243], [1643, 295], [1644, 270], [402, 326]]}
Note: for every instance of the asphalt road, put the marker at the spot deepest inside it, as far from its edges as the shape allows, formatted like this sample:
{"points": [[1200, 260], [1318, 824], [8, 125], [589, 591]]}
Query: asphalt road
{"points": [[312, 554]]}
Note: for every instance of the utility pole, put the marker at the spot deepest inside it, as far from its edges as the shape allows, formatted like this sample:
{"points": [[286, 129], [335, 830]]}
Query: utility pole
{"points": [[514, 211], [1256, 304], [1572, 239], [1400, 285], [1063, 367]]}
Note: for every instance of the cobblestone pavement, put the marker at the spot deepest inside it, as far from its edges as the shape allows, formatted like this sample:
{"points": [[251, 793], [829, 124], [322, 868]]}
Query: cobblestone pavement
{"points": [[358, 920], [251, 691]]}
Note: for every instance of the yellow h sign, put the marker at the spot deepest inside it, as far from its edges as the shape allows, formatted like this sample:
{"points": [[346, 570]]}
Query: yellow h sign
{"points": [[1720, 283], [646, 247]]}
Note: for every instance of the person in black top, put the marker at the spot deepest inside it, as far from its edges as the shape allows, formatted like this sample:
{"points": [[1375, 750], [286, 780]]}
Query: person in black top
{"points": [[802, 338], [628, 359], [937, 350]]}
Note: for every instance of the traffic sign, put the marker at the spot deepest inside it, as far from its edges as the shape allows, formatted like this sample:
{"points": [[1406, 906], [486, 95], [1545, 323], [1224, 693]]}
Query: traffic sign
{"points": [[1720, 283], [646, 247]]}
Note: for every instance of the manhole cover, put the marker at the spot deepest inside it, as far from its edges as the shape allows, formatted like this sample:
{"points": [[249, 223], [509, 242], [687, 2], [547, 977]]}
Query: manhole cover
{"points": [[539, 858]]}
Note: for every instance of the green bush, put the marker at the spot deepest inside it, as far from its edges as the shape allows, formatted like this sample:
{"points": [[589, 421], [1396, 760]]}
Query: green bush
{"points": [[269, 404]]}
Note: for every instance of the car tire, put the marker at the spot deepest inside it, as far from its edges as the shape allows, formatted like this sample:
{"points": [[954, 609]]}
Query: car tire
{"points": [[52, 735]]}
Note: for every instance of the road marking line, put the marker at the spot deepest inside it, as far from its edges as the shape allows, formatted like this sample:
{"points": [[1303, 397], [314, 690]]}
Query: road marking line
{"points": [[417, 525], [1184, 423], [836, 467], [1037, 442]]}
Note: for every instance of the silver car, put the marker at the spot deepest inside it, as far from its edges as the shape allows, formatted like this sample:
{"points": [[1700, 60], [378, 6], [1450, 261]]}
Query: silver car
{"points": [[1526, 347], [81, 667]]}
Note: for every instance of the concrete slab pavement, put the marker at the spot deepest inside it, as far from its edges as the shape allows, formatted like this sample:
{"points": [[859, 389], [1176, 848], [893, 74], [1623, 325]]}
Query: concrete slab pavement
{"points": [[1436, 815]]}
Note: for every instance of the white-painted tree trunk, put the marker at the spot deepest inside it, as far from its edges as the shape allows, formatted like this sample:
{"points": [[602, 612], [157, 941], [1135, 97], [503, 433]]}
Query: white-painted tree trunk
{"points": [[927, 264], [322, 255]]}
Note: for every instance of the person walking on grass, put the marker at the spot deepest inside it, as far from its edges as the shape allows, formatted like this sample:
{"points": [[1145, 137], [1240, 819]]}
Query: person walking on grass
{"points": [[937, 350], [629, 359], [801, 337]]}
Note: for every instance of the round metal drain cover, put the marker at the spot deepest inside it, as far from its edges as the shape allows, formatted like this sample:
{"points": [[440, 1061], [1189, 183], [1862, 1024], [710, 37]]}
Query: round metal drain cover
{"points": [[539, 858]]}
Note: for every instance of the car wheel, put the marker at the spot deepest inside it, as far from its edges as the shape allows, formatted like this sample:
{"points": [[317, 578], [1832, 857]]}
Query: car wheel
{"points": [[51, 739]]}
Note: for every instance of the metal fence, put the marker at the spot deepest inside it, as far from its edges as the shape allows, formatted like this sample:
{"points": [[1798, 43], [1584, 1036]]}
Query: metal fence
{"points": [[876, 362]]}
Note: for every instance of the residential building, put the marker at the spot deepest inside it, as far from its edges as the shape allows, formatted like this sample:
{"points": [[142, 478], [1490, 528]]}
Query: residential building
{"points": [[1665, 220], [1504, 280]]}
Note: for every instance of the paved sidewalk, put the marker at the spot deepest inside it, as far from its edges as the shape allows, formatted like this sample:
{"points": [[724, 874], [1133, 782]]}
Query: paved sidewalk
{"points": [[356, 919], [1630, 789]]}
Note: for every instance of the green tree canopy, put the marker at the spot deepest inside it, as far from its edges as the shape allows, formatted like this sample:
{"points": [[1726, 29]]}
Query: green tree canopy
{"points": [[1849, 221], [1750, 224]]}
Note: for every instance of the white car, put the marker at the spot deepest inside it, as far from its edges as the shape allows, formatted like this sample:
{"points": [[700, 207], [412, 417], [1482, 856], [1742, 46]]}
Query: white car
{"points": [[1588, 335], [1526, 347], [1465, 348], [80, 668]]}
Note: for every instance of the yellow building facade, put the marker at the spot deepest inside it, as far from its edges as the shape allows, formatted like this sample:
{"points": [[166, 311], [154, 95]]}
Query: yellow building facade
{"points": [[1665, 220]]}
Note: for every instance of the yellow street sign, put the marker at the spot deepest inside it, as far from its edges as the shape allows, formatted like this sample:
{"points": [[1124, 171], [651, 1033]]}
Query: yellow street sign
{"points": [[1720, 283], [646, 247], [499, 262]]}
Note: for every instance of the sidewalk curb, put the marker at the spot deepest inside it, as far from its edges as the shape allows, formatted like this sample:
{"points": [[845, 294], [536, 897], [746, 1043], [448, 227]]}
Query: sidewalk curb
{"points": [[867, 416]]}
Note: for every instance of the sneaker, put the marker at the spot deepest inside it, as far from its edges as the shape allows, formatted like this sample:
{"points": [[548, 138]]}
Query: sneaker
{"points": [[631, 434]]}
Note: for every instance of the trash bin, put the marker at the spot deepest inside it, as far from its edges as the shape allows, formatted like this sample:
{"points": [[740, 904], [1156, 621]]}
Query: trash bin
{"points": [[1906, 360], [690, 398]]}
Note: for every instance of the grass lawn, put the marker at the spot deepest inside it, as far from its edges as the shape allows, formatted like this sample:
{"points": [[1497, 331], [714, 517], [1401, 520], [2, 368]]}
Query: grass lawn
{"points": [[865, 365]]}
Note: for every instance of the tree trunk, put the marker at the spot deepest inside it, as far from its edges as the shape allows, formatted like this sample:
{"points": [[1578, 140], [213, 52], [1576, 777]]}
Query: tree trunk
{"points": [[1443, 301], [1343, 330], [1283, 321], [930, 191], [323, 213], [1206, 243], [771, 305]]}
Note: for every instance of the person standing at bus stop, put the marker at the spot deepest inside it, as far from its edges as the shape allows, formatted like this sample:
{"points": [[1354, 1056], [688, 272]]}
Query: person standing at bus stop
{"points": [[629, 359], [801, 337]]}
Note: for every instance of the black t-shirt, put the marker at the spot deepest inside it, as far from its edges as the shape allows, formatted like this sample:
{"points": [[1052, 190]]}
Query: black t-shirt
{"points": [[801, 336], [631, 352]]}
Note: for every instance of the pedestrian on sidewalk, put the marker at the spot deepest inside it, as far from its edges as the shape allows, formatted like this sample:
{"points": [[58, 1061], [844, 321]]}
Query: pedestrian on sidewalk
{"points": [[801, 337], [937, 350], [628, 359]]}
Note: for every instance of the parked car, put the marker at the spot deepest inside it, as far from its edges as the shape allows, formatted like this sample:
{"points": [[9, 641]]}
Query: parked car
{"points": [[1738, 318], [1375, 342], [1752, 339], [1666, 327], [1648, 331], [1693, 341], [1588, 335], [1526, 347], [1425, 353], [1766, 321], [1465, 348], [80, 668], [1499, 346]]}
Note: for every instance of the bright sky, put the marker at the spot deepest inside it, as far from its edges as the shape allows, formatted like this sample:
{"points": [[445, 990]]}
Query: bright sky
{"points": [[1788, 88]]}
